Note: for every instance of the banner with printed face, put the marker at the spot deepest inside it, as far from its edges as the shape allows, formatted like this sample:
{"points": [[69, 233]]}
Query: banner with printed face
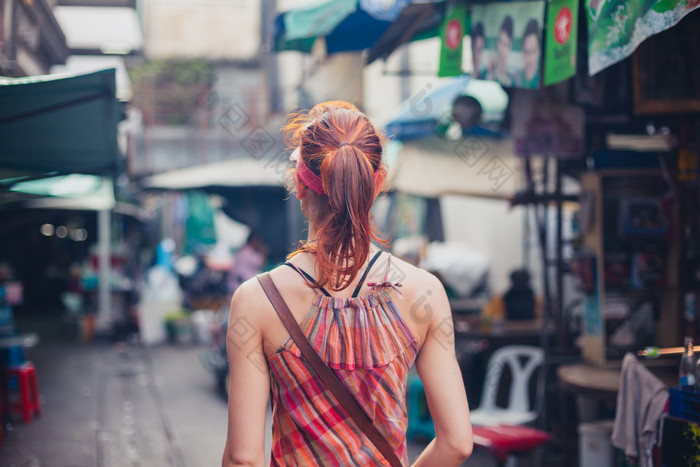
{"points": [[560, 44], [507, 42], [617, 27]]}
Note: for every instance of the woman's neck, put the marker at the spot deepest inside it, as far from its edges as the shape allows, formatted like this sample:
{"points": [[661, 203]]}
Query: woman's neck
{"points": [[311, 236]]}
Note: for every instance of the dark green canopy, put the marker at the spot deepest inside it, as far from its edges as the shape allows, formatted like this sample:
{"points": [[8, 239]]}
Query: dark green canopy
{"points": [[59, 124]]}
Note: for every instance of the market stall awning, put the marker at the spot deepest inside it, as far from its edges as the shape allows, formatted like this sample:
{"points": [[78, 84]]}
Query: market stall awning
{"points": [[74, 191], [475, 166], [415, 22], [59, 124], [346, 25], [238, 172]]}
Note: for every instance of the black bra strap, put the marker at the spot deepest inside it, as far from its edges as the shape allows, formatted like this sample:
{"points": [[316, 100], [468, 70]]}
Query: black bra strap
{"points": [[307, 276], [325, 292], [364, 276]]}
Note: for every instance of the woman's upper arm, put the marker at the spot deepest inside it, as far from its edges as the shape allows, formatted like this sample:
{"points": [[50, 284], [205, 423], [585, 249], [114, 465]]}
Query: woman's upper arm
{"points": [[249, 380], [440, 374]]}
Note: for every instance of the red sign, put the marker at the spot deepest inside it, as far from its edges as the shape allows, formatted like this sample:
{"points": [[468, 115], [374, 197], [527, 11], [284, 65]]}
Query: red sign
{"points": [[562, 25], [454, 35]]}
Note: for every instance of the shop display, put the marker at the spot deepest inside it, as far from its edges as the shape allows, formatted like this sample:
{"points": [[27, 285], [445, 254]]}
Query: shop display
{"points": [[681, 431], [686, 370], [617, 270], [648, 270], [633, 301], [688, 165]]}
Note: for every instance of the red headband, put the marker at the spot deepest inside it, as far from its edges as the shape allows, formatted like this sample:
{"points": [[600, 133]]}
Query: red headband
{"points": [[312, 180], [309, 178]]}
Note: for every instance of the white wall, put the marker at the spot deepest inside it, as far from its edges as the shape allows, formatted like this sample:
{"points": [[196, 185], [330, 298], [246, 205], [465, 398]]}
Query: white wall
{"points": [[338, 77], [489, 226], [211, 29], [335, 77], [290, 70]]}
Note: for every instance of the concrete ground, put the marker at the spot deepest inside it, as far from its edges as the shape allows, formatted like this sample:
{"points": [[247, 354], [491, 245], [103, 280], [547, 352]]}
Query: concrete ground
{"points": [[109, 404]]}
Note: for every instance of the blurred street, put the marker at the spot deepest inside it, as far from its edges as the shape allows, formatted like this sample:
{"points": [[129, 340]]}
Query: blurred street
{"points": [[125, 405], [118, 405]]}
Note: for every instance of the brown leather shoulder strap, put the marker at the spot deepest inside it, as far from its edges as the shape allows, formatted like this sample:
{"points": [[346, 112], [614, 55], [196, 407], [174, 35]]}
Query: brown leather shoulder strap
{"points": [[337, 388]]}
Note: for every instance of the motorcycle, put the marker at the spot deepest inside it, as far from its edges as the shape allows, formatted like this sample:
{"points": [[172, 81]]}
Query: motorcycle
{"points": [[205, 288], [214, 357]]}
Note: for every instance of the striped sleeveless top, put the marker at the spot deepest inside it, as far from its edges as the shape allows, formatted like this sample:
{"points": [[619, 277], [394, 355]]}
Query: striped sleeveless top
{"points": [[368, 345]]}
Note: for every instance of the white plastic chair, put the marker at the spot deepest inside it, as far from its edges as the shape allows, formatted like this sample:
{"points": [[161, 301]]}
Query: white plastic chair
{"points": [[523, 361]]}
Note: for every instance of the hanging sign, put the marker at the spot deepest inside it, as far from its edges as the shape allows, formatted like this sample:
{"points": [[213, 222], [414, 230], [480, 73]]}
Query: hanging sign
{"points": [[512, 42], [560, 45], [617, 27], [543, 123], [451, 36]]}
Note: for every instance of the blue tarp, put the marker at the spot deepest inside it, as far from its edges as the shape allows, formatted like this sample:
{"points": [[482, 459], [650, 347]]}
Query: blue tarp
{"points": [[421, 115], [346, 25]]}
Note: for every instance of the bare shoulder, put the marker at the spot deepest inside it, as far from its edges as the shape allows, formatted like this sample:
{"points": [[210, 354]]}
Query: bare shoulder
{"points": [[248, 292], [248, 301], [413, 279], [251, 300], [423, 293], [424, 303]]}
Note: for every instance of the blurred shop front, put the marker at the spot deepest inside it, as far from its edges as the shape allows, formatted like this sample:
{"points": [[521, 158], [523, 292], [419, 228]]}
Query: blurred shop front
{"points": [[57, 189]]}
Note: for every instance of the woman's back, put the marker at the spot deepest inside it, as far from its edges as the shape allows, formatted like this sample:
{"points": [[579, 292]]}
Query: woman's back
{"points": [[369, 346]]}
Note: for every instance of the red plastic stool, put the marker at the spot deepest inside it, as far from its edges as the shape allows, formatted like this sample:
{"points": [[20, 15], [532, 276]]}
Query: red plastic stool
{"points": [[506, 442], [28, 391]]}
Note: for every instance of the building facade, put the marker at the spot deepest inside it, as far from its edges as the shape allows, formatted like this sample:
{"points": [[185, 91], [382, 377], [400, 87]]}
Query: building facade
{"points": [[31, 40]]}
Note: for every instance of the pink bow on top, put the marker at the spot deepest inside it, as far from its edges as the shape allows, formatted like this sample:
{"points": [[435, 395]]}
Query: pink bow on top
{"points": [[386, 283]]}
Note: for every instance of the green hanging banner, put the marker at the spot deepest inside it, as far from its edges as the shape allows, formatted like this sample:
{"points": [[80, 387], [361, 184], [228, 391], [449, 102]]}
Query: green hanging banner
{"points": [[452, 34], [560, 45], [617, 27], [199, 226]]}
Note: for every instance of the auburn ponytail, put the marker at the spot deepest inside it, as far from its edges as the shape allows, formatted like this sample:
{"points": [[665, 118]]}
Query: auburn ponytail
{"points": [[340, 145]]}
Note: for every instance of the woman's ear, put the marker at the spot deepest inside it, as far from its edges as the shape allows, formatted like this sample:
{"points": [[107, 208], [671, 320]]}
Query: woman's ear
{"points": [[379, 183], [300, 187]]}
